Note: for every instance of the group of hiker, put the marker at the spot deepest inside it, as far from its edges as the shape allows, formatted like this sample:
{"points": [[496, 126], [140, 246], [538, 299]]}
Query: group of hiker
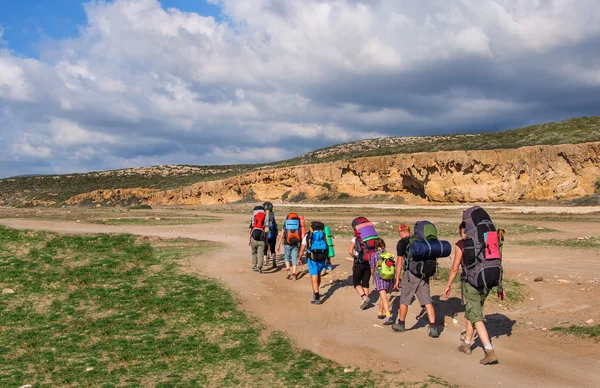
{"points": [[477, 254]]}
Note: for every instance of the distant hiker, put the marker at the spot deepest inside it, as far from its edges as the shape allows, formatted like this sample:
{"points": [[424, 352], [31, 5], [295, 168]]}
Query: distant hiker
{"points": [[272, 232], [315, 244], [382, 268], [418, 267], [291, 238], [363, 245], [478, 253], [257, 237]]}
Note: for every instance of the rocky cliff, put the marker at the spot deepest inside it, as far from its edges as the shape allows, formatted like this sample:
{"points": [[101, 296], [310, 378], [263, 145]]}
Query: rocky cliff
{"points": [[527, 173]]}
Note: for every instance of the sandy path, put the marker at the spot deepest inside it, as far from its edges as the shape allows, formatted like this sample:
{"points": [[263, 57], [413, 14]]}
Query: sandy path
{"points": [[340, 331]]}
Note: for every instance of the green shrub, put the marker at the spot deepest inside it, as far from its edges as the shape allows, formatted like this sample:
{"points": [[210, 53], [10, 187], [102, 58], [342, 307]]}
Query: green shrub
{"points": [[285, 195], [141, 207], [326, 185], [597, 186], [301, 196]]}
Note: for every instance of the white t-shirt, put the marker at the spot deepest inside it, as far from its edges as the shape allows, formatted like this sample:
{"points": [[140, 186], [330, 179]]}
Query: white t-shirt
{"points": [[354, 243], [304, 242]]}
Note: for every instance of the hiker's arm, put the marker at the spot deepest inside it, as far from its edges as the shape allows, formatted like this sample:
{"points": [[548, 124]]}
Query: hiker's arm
{"points": [[279, 239], [351, 250], [301, 252], [454, 270], [249, 231], [399, 260]]}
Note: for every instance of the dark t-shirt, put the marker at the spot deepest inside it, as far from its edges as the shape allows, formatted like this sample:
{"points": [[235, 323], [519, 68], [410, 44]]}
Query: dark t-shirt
{"points": [[402, 246]]}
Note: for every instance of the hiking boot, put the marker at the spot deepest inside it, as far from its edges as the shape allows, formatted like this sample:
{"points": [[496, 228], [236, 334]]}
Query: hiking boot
{"points": [[316, 301], [388, 321], [466, 349], [259, 270], [294, 276], [365, 304], [399, 327], [254, 269], [490, 358], [380, 316], [288, 276], [433, 331]]}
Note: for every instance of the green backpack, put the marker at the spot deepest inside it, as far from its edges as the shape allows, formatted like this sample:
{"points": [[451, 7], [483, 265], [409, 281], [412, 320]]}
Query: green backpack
{"points": [[386, 266]]}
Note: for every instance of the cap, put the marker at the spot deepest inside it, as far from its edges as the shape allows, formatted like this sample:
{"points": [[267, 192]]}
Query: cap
{"points": [[403, 227]]}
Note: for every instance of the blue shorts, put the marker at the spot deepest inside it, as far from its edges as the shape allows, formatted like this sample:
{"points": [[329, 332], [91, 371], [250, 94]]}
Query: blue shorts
{"points": [[316, 267]]}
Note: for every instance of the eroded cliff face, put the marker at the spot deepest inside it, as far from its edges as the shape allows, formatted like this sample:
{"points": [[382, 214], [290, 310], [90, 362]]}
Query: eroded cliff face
{"points": [[528, 173]]}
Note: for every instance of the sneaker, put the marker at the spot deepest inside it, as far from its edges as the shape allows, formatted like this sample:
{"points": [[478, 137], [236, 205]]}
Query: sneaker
{"points": [[316, 301], [254, 269], [380, 316], [433, 332], [399, 327], [259, 270], [365, 304], [464, 348], [294, 276], [288, 276], [490, 358], [388, 321]]}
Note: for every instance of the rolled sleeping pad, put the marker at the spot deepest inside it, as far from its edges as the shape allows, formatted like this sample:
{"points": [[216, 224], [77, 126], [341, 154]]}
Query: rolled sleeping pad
{"points": [[329, 239], [267, 215], [302, 226], [429, 249], [367, 231]]}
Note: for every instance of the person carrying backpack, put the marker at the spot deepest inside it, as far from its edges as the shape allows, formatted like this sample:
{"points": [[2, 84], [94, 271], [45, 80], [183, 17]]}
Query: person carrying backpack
{"points": [[480, 261], [292, 238], [271, 234], [362, 246], [257, 238], [382, 269], [315, 244], [415, 280]]}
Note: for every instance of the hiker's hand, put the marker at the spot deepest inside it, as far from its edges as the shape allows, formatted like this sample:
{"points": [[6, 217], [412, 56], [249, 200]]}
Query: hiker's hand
{"points": [[447, 292], [501, 294], [248, 243], [299, 261], [397, 285], [278, 249]]}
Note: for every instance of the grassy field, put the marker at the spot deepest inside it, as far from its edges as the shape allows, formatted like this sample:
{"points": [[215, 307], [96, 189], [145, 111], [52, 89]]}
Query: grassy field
{"points": [[58, 188], [580, 331], [155, 221], [110, 310], [587, 242]]}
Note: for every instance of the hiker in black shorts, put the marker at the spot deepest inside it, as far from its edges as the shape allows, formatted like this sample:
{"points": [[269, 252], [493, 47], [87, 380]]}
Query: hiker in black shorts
{"points": [[361, 274]]}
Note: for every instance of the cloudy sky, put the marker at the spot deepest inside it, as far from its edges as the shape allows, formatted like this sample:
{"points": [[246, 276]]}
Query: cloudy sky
{"points": [[94, 85]]}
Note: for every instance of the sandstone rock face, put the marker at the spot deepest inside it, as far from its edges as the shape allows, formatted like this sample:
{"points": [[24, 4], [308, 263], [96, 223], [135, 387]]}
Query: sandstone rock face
{"points": [[528, 173]]}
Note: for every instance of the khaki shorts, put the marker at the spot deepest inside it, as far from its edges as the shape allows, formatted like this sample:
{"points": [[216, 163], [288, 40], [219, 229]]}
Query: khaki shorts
{"points": [[474, 301], [412, 286]]}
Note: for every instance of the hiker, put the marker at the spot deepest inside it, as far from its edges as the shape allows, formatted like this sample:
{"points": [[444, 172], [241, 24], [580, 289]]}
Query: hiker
{"points": [[315, 244], [257, 237], [271, 234], [381, 261], [474, 296], [291, 238], [361, 248], [411, 285]]}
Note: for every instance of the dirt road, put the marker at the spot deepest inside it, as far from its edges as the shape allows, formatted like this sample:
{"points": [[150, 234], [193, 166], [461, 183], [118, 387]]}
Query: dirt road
{"points": [[529, 356]]}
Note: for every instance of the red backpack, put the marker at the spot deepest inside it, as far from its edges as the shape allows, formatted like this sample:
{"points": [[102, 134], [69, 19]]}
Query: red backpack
{"points": [[291, 227], [258, 224]]}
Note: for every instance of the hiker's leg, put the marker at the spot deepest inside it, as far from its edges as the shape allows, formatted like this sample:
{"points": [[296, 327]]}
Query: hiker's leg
{"points": [[357, 279], [430, 313], [254, 253], [261, 252], [384, 303], [315, 283], [470, 332], [483, 334], [294, 253], [403, 312], [287, 253]]}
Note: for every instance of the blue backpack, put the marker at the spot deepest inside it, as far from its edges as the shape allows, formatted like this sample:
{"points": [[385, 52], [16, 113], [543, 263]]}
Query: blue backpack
{"points": [[318, 244], [272, 227]]}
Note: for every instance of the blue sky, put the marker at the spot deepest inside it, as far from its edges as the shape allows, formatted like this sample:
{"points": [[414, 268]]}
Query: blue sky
{"points": [[28, 22], [131, 83]]}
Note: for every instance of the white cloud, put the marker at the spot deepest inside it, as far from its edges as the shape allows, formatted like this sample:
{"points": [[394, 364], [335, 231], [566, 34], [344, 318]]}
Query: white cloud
{"points": [[289, 76]]}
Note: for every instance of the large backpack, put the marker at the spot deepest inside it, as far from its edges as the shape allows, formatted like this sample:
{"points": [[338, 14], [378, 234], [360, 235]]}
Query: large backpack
{"points": [[316, 241], [482, 256], [424, 249], [291, 230], [268, 206], [365, 237], [273, 229], [386, 266], [258, 224]]}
